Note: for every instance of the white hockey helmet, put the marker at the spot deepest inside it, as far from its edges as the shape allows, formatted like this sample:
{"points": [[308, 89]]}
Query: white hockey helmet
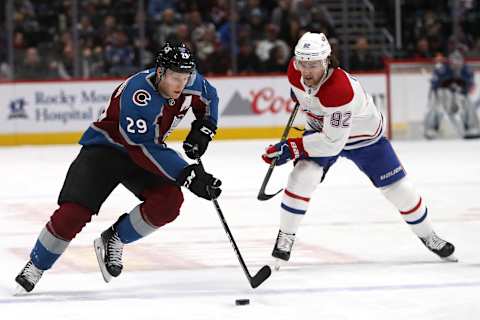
{"points": [[313, 46]]}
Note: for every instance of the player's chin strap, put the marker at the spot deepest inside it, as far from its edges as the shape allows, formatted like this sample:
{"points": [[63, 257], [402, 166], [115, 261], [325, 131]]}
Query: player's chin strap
{"points": [[264, 272], [262, 196]]}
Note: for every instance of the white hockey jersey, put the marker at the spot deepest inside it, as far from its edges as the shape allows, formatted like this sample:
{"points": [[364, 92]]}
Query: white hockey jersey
{"points": [[340, 114]]}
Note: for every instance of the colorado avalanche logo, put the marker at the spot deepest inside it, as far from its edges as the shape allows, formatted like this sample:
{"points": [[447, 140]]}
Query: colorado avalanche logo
{"points": [[141, 97]]}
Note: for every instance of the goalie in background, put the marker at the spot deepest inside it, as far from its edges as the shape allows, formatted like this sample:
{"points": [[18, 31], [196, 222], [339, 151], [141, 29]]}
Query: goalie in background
{"points": [[451, 83]]}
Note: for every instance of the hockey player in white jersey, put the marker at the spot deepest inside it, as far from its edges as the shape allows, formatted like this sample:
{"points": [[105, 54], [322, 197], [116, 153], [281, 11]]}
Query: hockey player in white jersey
{"points": [[341, 120]]}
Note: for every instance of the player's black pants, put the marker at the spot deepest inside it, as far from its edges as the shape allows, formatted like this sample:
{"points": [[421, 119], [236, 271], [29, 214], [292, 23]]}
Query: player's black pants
{"points": [[97, 170]]}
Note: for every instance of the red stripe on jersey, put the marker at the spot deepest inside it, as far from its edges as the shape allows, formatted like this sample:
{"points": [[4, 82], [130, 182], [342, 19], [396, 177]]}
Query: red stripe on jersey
{"points": [[296, 196], [336, 91], [369, 135], [414, 209], [294, 75]]}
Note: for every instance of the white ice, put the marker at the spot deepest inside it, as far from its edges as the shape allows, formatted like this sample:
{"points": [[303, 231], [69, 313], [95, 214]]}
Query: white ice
{"points": [[354, 257]]}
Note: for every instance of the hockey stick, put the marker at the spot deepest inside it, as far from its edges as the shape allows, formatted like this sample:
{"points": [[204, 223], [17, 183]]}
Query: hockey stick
{"points": [[262, 196], [264, 272]]}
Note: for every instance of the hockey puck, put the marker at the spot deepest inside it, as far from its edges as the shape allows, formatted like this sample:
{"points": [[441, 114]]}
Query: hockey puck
{"points": [[242, 302]]}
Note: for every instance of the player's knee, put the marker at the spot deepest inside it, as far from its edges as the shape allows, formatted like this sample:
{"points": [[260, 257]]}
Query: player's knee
{"points": [[402, 194], [68, 220], [162, 205], [305, 177]]}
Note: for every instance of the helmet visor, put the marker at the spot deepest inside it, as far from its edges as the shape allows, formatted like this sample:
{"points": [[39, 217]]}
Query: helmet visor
{"points": [[311, 64]]}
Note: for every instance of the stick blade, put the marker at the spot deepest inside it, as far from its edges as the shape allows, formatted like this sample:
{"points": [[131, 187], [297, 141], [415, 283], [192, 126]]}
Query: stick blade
{"points": [[262, 196], [261, 276]]}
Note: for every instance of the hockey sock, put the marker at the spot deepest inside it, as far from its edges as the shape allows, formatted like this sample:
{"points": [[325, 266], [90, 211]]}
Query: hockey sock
{"points": [[411, 206], [303, 180], [65, 223], [293, 209], [133, 226], [161, 206]]}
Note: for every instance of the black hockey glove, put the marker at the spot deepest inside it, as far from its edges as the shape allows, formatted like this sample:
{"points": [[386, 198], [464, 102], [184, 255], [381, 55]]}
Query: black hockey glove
{"points": [[197, 140], [199, 182]]}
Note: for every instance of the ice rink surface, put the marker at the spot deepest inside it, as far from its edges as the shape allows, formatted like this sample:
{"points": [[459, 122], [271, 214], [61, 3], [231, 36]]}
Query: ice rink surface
{"points": [[354, 257]]}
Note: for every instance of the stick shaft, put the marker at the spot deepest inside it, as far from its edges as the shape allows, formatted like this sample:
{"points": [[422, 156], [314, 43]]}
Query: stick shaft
{"points": [[289, 125], [230, 235]]}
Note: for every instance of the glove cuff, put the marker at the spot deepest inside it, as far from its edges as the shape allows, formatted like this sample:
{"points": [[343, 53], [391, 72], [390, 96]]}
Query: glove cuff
{"points": [[205, 126], [296, 148], [187, 175]]}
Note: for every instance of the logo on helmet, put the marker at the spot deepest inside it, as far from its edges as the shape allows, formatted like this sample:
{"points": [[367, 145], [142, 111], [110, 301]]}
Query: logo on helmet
{"points": [[306, 45]]}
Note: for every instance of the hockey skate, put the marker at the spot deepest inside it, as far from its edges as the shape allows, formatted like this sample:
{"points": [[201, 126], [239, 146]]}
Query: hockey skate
{"points": [[440, 247], [28, 278], [108, 249], [283, 247]]}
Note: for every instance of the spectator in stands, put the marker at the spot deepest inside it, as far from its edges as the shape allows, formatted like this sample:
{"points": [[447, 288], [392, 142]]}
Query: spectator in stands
{"points": [[247, 60], [271, 40], [19, 41], [119, 56], [422, 49], [85, 28], [167, 26], [303, 11], [182, 34], [320, 21], [63, 68], [94, 62], [277, 60], [362, 59], [219, 13], [281, 17], [216, 57], [156, 8], [256, 22], [107, 30], [204, 41], [31, 67]]}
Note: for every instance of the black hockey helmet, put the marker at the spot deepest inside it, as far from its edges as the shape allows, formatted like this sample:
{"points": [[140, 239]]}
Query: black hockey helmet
{"points": [[175, 55]]}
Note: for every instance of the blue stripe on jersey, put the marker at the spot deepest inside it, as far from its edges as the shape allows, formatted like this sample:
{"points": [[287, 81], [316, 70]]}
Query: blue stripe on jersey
{"points": [[292, 210], [41, 257], [420, 219]]}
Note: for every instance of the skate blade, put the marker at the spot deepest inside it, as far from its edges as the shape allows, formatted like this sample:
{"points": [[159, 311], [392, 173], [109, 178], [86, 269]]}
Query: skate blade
{"points": [[100, 253], [277, 264], [450, 258], [19, 291]]}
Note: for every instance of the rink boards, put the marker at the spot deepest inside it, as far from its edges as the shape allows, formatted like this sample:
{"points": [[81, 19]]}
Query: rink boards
{"points": [[251, 107]]}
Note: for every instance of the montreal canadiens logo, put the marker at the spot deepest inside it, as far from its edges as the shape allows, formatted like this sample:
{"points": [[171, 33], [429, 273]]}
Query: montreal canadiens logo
{"points": [[141, 97]]}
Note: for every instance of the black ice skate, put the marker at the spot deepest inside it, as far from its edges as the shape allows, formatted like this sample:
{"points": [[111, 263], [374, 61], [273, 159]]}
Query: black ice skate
{"points": [[440, 247], [28, 278], [108, 249], [283, 247]]}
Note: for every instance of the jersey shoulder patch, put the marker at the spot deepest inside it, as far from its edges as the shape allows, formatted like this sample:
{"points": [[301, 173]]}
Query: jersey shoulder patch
{"points": [[337, 91], [294, 75]]}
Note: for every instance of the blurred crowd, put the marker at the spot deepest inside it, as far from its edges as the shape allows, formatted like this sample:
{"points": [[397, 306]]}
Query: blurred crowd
{"points": [[266, 31]]}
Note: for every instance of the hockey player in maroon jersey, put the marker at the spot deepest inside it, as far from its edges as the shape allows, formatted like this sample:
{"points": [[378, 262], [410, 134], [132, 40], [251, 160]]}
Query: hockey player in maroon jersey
{"points": [[126, 145], [341, 121]]}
